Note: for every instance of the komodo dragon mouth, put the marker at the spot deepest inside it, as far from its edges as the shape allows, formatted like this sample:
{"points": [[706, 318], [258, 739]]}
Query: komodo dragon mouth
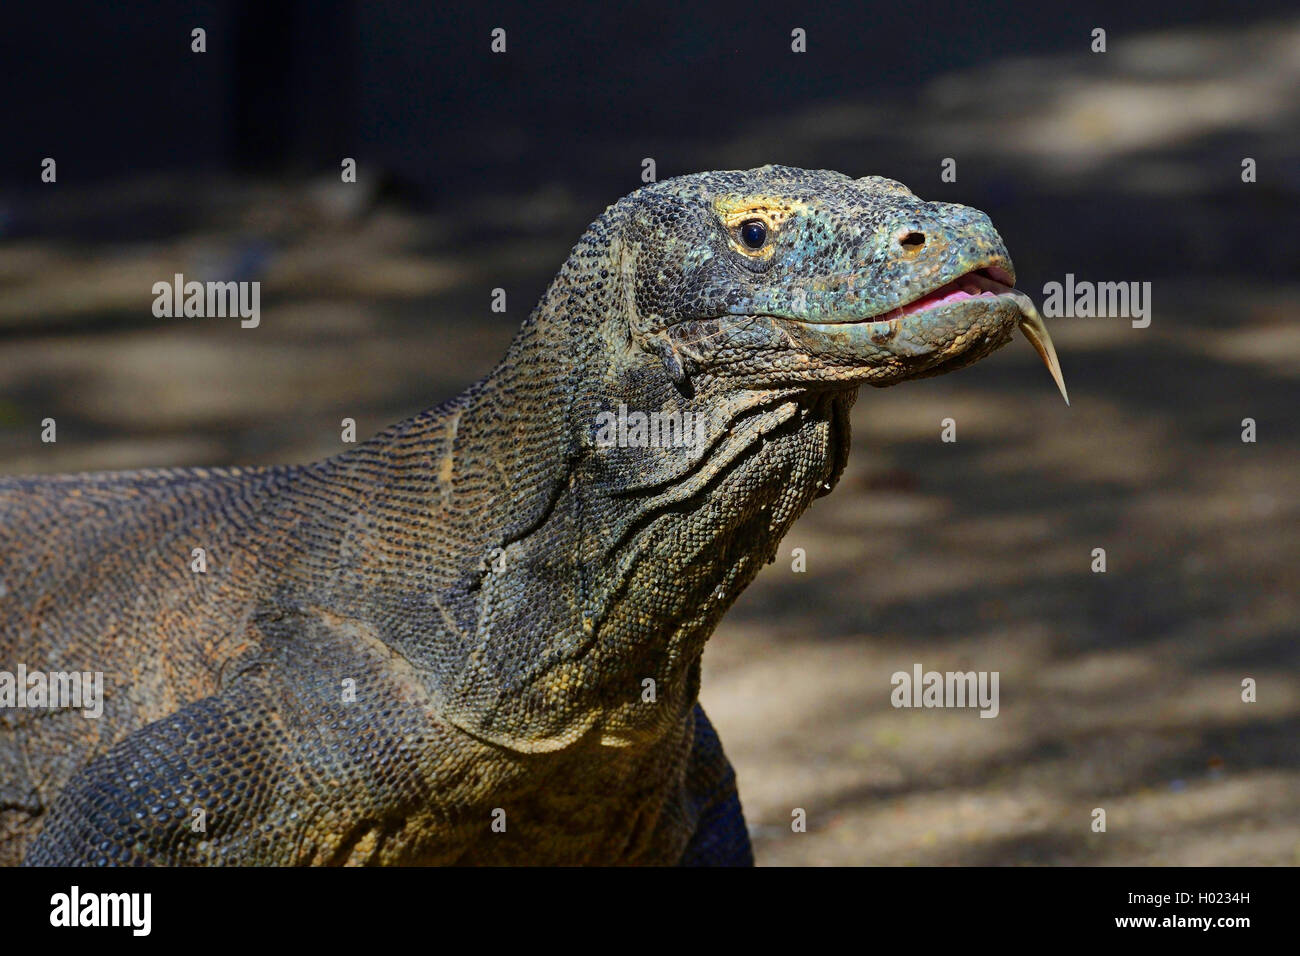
{"points": [[990, 282], [955, 303]]}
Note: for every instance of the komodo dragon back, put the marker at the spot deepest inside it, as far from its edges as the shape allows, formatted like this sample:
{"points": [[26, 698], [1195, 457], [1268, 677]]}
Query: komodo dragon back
{"points": [[476, 637]]}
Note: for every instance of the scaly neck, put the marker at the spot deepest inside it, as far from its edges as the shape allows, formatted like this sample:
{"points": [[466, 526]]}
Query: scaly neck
{"points": [[547, 584]]}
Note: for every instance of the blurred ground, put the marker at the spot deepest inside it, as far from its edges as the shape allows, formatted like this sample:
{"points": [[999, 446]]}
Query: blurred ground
{"points": [[1119, 690]]}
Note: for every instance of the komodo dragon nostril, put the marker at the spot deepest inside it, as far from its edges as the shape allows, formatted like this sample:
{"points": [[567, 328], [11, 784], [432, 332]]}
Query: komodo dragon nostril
{"points": [[911, 241]]}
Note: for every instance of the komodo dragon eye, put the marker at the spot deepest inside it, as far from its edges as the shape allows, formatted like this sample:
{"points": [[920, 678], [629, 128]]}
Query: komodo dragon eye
{"points": [[753, 233]]}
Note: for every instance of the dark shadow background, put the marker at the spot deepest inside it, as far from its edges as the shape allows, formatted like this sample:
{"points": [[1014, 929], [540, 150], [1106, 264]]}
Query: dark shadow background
{"points": [[479, 171]]}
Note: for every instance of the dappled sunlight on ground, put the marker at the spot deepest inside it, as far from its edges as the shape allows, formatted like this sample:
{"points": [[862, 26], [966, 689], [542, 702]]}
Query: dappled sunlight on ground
{"points": [[1119, 691]]}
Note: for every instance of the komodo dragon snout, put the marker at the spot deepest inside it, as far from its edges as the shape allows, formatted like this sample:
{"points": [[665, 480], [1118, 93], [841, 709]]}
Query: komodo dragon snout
{"points": [[837, 280]]}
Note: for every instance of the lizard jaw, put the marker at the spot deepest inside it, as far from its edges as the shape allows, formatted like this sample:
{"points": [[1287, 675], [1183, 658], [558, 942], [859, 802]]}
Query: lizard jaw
{"points": [[992, 281], [969, 314]]}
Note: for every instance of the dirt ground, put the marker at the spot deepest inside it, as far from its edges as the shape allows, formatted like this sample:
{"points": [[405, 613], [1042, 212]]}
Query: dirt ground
{"points": [[1119, 690]]}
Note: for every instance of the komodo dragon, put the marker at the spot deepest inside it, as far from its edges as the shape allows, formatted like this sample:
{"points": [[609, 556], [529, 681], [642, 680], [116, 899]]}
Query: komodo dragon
{"points": [[437, 647]]}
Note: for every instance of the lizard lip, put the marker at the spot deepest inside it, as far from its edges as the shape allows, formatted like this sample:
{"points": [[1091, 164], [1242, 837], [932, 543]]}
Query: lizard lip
{"points": [[988, 281], [915, 328]]}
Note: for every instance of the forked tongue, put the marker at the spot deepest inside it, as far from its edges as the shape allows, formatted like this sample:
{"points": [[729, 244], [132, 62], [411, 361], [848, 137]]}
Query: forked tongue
{"points": [[1031, 323]]}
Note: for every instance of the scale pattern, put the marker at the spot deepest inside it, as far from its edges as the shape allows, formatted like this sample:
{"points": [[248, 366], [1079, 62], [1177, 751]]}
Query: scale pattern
{"points": [[476, 637]]}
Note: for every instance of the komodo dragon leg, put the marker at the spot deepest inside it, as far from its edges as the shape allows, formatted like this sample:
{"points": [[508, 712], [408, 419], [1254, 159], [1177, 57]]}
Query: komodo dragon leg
{"points": [[321, 753], [721, 837]]}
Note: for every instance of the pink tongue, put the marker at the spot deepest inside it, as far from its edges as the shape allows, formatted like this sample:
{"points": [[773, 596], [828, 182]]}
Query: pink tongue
{"points": [[966, 287], [938, 297], [949, 293]]}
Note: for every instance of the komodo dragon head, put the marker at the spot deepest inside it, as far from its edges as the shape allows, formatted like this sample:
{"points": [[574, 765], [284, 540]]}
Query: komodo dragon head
{"points": [[678, 398], [811, 276]]}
